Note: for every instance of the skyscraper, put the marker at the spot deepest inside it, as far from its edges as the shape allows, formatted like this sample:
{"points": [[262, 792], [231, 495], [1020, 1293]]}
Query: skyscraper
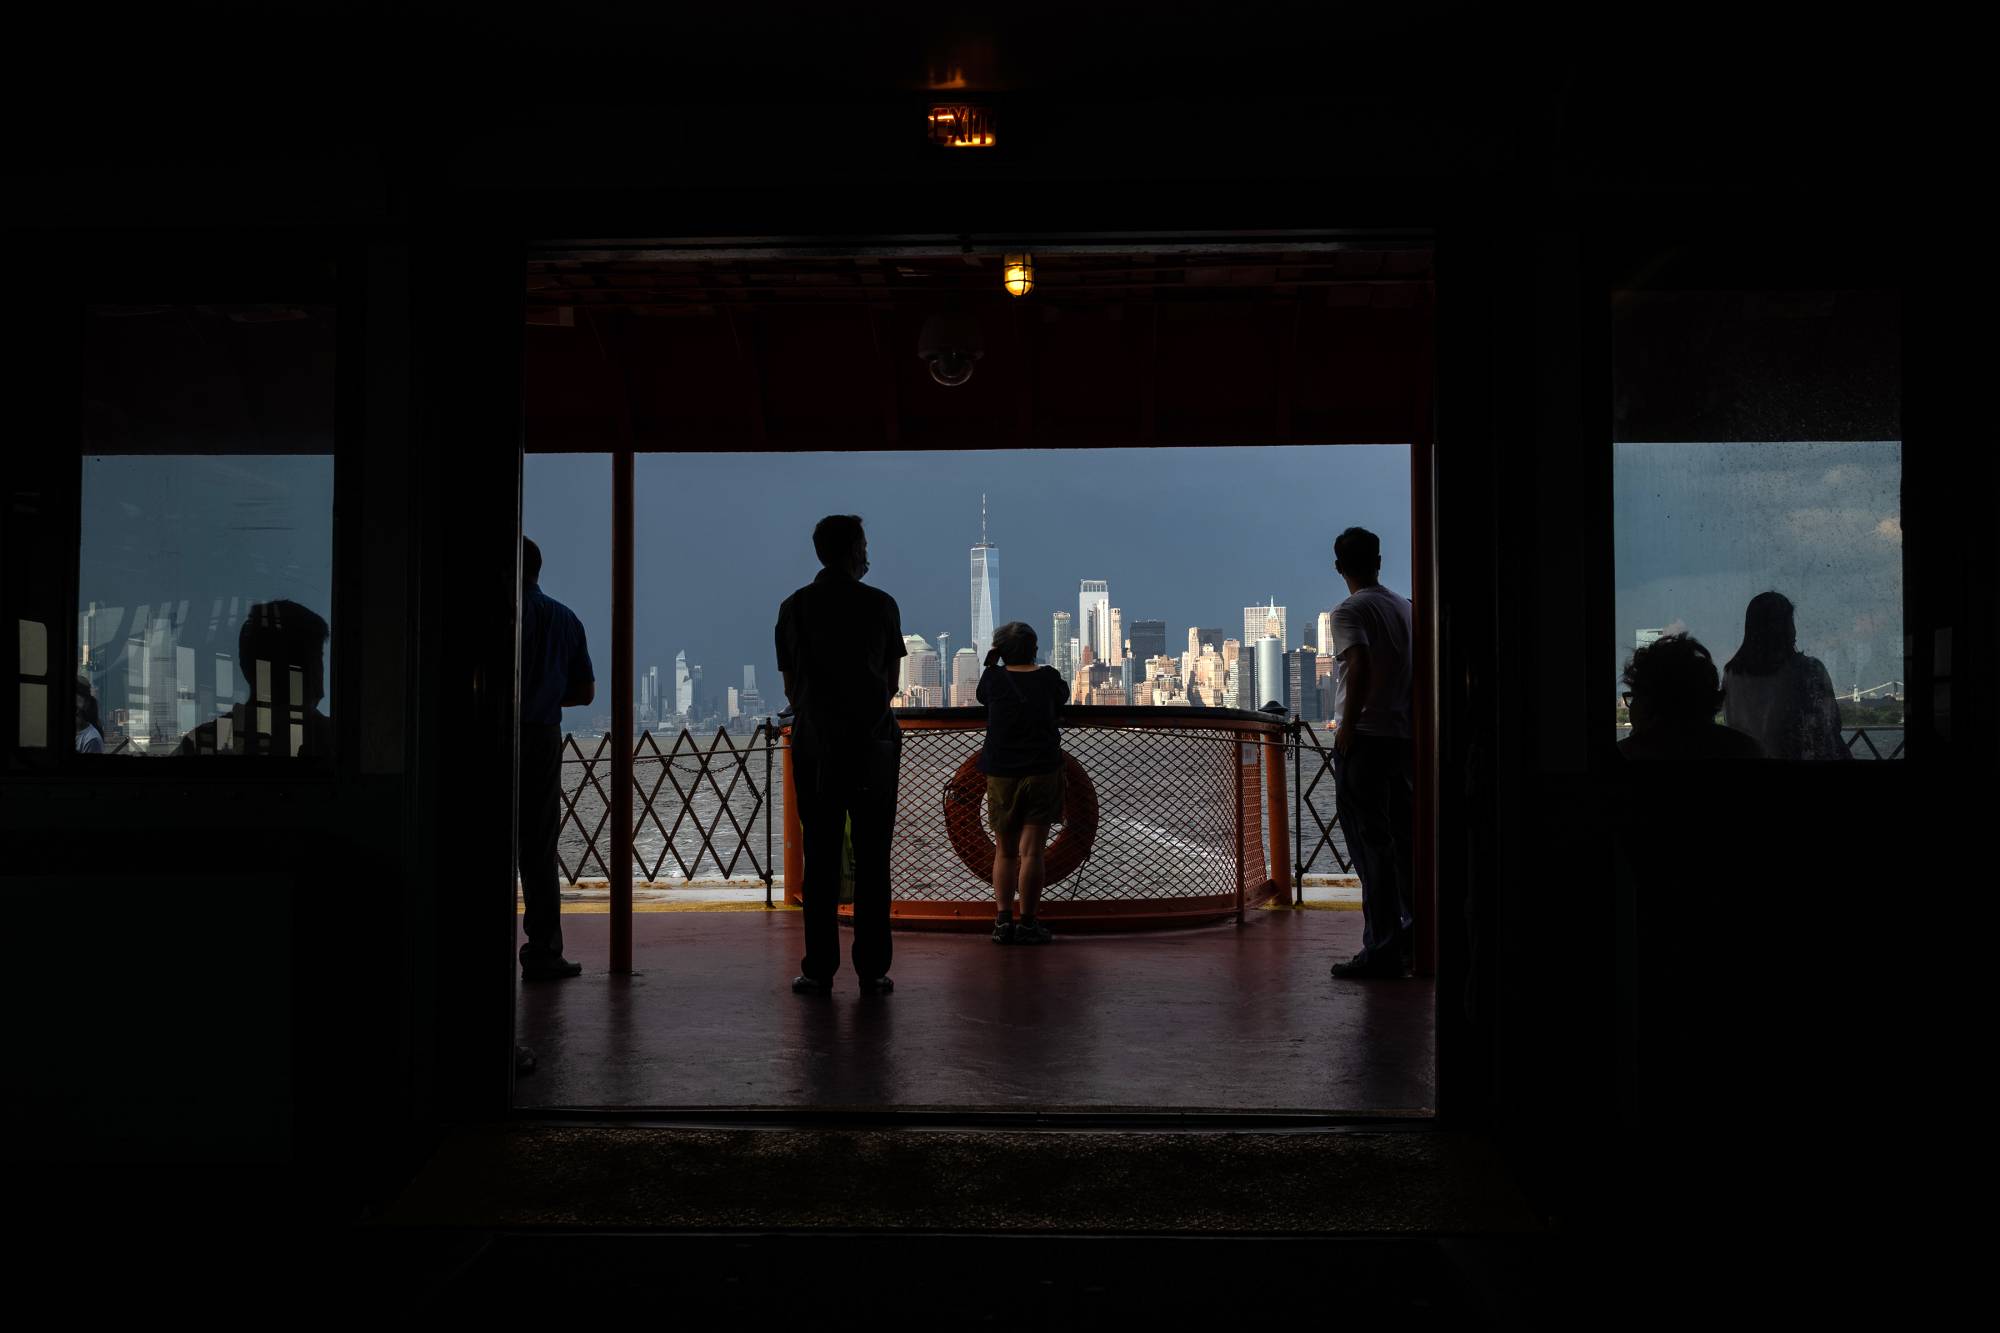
{"points": [[1116, 655], [683, 684], [985, 586], [1270, 672], [1302, 684], [1324, 636], [964, 678], [1059, 647], [1149, 639], [1259, 621], [1093, 615]]}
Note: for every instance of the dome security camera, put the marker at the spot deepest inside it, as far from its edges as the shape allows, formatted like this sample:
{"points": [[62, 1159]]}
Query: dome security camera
{"points": [[950, 345]]}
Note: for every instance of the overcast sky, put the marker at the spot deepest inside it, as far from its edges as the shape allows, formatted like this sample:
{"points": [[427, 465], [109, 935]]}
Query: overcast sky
{"points": [[1189, 536]]}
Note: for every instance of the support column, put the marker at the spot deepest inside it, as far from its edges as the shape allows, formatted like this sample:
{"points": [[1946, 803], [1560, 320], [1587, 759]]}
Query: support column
{"points": [[1424, 691], [1277, 816], [620, 869]]}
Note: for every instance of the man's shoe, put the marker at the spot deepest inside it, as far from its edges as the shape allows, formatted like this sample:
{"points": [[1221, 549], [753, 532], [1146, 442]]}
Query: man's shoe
{"points": [[553, 969], [877, 985], [805, 985], [1003, 932], [1031, 932], [1362, 966]]}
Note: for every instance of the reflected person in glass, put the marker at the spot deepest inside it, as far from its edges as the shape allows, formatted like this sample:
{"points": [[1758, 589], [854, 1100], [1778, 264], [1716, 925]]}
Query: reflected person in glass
{"points": [[1777, 694], [1672, 691], [281, 655], [89, 736]]}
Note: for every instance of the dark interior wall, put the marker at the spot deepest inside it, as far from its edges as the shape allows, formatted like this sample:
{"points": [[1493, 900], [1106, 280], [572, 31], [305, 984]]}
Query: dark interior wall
{"points": [[424, 161]]}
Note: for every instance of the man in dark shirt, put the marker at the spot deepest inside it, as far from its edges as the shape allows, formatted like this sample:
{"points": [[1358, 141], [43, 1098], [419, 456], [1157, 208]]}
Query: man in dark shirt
{"points": [[555, 674], [281, 653], [839, 643]]}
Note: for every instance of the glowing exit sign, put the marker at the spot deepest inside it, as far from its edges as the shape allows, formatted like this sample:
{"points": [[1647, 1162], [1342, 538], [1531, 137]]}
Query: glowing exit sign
{"points": [[961, 125]]}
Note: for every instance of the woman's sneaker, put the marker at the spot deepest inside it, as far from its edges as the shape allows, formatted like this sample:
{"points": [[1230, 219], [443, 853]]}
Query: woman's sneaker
{"points": [[1003, 931], [1031, 931]]}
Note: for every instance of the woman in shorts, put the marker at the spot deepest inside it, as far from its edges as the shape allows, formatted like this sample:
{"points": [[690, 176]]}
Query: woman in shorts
{"points": [[1023, 764]]}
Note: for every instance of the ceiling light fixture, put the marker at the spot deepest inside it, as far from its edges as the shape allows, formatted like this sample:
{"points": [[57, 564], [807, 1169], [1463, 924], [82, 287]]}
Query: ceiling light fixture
{"points": [[1017, 274]]}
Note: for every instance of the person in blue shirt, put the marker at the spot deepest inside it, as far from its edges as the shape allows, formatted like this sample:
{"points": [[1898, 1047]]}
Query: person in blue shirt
{"points": [[1023, 763], [555, 674]]}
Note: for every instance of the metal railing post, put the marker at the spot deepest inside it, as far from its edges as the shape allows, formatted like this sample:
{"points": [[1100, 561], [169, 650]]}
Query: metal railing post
{"points": [[770, 798], [1273, 758], [1236, 759], [1298, 818]]}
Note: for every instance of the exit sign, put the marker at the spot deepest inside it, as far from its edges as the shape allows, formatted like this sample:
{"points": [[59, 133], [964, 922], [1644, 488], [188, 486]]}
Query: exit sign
{"points": [[961, 125]]}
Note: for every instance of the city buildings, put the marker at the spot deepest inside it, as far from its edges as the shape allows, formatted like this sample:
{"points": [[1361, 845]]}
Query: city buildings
{"points": [[1062, 647], [985, 586], [920, 680], [1093, 616], [964, 678], [683, 685], [1148, 639], [1259, 621], [1115, 645], [1302, 684]]}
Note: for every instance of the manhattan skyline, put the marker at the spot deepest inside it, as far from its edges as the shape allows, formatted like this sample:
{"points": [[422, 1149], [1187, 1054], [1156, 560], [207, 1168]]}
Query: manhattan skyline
{"points": [[1187, 536]]}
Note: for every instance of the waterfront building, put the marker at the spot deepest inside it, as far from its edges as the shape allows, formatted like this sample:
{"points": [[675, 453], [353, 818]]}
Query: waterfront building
{"points": [[965, 669], [1148, 639], [683, 685], [1259, 621], [1115, 639], [985, 586], [1302, 684], [1323, 638], [919, 668], [1093, 615], [735, 704], [1269, 680], [1062, 647]]}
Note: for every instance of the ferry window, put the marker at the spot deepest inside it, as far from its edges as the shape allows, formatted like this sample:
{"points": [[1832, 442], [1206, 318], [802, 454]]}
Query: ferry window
{"points": [[205, 574], [1757, 477]]}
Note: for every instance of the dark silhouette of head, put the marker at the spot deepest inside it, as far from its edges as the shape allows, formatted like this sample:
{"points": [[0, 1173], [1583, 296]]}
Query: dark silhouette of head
{"points": [[1770, 635], [841, 544], [86, 705], [1357, 554], [1673, 684], [1013, 643], [531, 562], [276, 638]]}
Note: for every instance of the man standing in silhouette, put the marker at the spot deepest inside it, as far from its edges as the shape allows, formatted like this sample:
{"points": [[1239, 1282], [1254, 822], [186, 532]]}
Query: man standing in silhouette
{"points": [[1373, 768], [555, 674], [839, 644]]}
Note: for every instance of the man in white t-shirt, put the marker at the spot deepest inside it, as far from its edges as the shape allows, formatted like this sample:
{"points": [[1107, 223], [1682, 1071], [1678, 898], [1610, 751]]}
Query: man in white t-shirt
{"points": [[1373, 765]]}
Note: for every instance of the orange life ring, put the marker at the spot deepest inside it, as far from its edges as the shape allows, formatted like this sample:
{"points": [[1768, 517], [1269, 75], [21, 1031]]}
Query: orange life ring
{"points": [[965, 799]]}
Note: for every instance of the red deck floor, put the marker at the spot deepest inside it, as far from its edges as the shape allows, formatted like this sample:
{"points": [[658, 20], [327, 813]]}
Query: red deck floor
{"points": [[1216, 1018]]}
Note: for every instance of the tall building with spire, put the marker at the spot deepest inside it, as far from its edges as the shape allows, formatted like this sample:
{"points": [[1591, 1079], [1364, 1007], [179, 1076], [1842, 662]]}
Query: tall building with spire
{"points": [[985, 587]]}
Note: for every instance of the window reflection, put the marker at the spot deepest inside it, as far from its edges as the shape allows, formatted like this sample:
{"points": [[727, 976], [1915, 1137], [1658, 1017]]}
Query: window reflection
{"points": [[205, 571], [1785, 558]]}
